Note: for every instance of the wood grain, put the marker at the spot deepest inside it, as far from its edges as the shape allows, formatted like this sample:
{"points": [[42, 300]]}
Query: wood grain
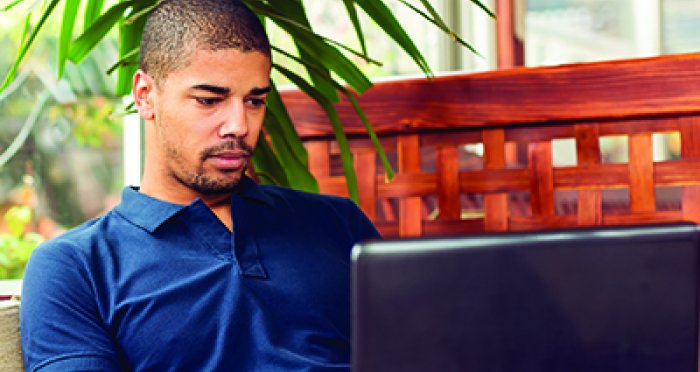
{"points": [[666, 86], [366, 169], [516, 114], [690, 151], [541, 178], [590, 202], [641, 168], [448, 183], [410, 212], [319, 158], [495, 204]]}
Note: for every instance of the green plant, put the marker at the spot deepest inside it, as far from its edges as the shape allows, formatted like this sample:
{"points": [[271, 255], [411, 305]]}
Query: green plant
{"points": [[17, 244], [331, 72]]}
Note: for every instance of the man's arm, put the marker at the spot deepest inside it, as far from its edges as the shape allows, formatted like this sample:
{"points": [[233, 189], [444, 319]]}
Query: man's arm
{"points": [[60, 323]]}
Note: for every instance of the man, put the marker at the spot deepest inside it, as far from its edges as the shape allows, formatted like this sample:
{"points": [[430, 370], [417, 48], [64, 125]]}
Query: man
{"points": [[200, 269]]}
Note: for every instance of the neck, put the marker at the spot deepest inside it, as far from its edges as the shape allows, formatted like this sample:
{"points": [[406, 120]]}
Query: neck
{"points": [[177, 193], [220, 204]]}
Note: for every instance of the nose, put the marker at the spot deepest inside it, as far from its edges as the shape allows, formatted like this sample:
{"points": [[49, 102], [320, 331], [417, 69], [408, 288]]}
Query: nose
{"points": [[234, 122]]}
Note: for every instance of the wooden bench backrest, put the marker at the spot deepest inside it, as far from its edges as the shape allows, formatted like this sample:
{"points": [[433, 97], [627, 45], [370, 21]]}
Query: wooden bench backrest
{"points": [[514, 116]]}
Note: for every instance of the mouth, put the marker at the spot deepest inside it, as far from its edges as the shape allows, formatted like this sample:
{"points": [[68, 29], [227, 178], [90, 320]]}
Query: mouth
{"points": [[229, 160]]}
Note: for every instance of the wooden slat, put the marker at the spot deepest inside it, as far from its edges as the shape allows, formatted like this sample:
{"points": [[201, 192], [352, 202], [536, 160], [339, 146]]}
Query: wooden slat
{"points": [[592, 177], [448, 183], [494, 180], [408, 184], [677, 172], [366, 169], [646, 125], [453, 227], [642, 218], [319, 158], [541, 222], [690, 137], [495, 205], [550, 222], [590, 202], [616, 176], [641, 168], [388, 230], [453, 138], [541, 178], [533, 133], [690, 204], [333, 186], [388, 210], [690, 151], [662, 86], [409, 207]]}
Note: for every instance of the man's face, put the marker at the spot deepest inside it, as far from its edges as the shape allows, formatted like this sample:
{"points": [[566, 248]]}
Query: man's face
{"points": [[207, 118]]}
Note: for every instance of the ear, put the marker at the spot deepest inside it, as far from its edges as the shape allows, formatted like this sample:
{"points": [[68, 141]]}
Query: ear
{"points": [[143, 91]]}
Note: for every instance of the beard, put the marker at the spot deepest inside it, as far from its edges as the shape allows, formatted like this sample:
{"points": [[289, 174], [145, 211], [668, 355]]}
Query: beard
{"points": [[198, 179]]}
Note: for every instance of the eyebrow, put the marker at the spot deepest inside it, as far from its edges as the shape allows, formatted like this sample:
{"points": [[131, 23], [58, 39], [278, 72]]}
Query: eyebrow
{"points": [[223, 90], [260, 91], [212, 88]]}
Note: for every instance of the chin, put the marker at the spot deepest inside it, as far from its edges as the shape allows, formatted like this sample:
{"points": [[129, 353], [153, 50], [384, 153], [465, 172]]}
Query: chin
{"points": [[205, 184]]}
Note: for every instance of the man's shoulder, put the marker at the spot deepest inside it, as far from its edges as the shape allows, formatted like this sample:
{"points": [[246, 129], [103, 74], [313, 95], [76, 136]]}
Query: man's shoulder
{"points": [[81, 238], [322, 210], [286, 196]]}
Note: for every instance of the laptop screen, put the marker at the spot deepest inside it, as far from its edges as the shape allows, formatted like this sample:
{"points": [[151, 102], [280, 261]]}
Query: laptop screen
{"points": [[602, 299]]}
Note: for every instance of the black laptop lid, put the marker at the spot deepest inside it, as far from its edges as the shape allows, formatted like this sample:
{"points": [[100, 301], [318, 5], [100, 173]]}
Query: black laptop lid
{"points": [[606, 299]]}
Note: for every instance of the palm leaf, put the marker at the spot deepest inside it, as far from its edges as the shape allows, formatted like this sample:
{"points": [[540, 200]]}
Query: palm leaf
{"points": [[130, 33], [436, 17], [314, 45], [352, 14], [70, 11], [383, 17], [93, 8], [267, 165], [297, 173], [360, 113], [28, 42], [130, 58], [295, 15], [11, 5], [275, 104], [82, 46], [484, 8], [441, 25], [340, 137]]}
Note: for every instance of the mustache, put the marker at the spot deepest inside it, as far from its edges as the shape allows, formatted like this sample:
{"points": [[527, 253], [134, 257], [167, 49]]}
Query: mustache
{"points": [[232, 145]]}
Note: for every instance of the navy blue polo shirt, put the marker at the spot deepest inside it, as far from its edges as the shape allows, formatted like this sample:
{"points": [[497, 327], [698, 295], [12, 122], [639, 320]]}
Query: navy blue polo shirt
{"points": [[154, 286]]}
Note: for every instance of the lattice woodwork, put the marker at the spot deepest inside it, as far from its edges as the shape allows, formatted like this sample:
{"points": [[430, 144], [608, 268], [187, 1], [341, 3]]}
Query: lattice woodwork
{"points": [[512, 118]]}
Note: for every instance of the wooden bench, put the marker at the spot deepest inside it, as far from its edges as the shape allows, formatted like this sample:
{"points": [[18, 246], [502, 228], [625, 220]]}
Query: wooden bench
{"points": [[511, 118], [10, 348]]}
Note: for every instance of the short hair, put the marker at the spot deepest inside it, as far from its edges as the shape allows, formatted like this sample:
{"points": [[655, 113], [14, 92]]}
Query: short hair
{"points": [[175, 28]]}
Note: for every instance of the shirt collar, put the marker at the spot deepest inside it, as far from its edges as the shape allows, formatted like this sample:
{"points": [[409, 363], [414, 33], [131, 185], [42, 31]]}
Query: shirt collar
{"points": [[150, 213], [248, 189]]}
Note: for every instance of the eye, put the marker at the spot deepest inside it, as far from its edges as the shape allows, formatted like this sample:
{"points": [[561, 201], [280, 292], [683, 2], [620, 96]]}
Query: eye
{"points": [[255, 102], [207, 101]]}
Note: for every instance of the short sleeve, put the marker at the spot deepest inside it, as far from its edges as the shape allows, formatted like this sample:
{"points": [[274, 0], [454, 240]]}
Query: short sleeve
{"points": [[60, 324]]}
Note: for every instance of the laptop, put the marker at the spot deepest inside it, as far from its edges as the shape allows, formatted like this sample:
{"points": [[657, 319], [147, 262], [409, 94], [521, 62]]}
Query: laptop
{"points": [[596, 299]]}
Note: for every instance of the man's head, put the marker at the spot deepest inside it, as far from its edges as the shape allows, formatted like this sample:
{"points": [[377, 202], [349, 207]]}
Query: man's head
{"points": [[205, 67], [175, 27]]}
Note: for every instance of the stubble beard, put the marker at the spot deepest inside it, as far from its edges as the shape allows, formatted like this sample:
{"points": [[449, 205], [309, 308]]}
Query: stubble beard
{"points": [[198, 179]]}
